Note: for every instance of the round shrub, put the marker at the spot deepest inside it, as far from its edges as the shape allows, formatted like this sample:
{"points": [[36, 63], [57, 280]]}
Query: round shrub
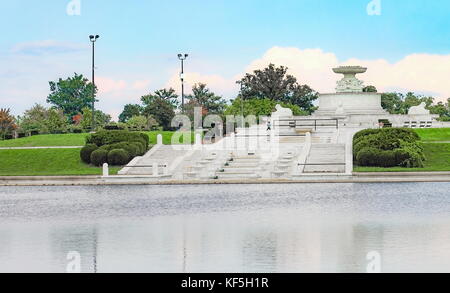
{"points": [[401, 157], [386, 159], [140, 146], [118, 157], [86, 151], [99, 157], [132, 150], [368, 157]]}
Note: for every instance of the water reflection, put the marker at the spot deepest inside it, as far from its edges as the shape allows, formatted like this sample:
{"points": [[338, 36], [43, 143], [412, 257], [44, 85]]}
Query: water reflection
{"points": [[229, 231]]}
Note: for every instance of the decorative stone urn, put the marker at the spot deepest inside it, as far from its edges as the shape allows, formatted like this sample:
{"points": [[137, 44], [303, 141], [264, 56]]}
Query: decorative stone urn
{"points": [[349, 98], [349, 84]]}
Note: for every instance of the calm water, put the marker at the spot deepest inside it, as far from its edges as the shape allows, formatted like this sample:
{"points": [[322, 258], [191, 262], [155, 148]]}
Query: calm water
{"points": [[229, 228]]}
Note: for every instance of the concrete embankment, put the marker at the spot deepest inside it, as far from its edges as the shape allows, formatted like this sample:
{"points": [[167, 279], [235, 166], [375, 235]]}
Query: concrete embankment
{"points": [[148, 180]]}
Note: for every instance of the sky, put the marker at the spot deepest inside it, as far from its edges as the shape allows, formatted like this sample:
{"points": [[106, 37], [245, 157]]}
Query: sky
{"points": [[404, 43]]}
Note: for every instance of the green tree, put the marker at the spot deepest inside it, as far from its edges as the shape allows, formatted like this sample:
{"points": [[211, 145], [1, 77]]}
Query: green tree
{"points": [[259, 107], [101, 119], [42, 120], [167, 95], [56, 122], [129, 111], [71, 95], [141, 123], [392, 102], [161, 110], [7, 122], [203, 97], [370, 89], [275, 84]]}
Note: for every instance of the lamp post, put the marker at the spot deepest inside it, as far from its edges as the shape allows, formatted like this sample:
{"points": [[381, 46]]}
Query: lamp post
{"points": [[242, 100], [93, 40], [182, 57]]}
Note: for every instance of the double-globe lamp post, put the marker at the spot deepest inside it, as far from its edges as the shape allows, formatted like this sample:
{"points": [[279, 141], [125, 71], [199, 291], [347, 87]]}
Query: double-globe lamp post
{"points": [[93, 40], [182, 57]]}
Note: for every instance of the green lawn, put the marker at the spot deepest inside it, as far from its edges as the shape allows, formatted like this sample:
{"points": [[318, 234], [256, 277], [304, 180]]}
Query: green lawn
{"points": [[73, 139], [434, 134], [167, 137], [45, 162], [438, 159]]}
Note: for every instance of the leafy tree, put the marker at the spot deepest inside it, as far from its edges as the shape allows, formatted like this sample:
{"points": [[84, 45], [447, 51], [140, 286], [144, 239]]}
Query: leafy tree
{"points": [[161, 110], [167, 95], [370, 89], [7, 122], [259, 107], [141, 123], [56, 122], [71, 95], [209, 101], [101, 119], [43, 120], [275, 84], [392, 102], [129, 111]]}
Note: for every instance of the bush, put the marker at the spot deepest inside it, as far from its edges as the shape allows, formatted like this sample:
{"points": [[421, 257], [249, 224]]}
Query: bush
{"points": [[388, 147], [107, 137], [99, 157], [368, 157], [386, 159], [140, 145], [86, 152], [118, 157]]}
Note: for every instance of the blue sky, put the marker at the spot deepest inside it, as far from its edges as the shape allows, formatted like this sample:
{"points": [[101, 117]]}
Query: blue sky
{"points": [[140, 39]]}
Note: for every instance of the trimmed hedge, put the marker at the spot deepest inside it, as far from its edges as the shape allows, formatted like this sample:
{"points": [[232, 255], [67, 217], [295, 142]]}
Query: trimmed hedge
{"points": [[100, 145], [99, 157], [86, 151], [118, 157], [106, 137], [388, 147]]}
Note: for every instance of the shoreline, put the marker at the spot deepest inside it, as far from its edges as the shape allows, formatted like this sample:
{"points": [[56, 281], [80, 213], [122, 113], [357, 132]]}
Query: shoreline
{"points": [[357, 177]]}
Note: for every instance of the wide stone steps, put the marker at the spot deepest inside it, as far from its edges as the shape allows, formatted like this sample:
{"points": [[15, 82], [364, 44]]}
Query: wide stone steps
{"points": [[326, 158]]}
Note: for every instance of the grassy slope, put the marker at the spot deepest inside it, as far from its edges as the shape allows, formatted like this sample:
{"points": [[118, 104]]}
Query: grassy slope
{"points": [[45, 163], [73, 139], [167, 137], [434, 134], [438, 159]]}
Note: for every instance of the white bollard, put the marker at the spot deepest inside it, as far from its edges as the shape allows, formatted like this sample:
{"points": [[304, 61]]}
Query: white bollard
{"points": [[155, 169], [105, 170], [198, 139], [159, 139]]}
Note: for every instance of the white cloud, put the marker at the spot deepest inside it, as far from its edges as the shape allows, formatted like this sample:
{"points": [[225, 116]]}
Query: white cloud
{"points": [[217, 83], [24, 76], [48, 47], [107, 85], [422, 73]]}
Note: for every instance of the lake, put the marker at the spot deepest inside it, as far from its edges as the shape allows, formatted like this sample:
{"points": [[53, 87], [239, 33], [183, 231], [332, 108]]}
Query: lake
{"points": [[226, 228]]}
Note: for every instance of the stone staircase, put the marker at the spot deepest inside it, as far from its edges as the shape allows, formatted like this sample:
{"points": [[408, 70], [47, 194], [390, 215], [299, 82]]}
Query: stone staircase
{"points": [[239, 167], [164, 155], [326, 158]]}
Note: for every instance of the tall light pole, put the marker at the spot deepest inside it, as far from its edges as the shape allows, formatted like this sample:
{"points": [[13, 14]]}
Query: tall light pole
{"points": [[93, 40], [182, 57]]}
